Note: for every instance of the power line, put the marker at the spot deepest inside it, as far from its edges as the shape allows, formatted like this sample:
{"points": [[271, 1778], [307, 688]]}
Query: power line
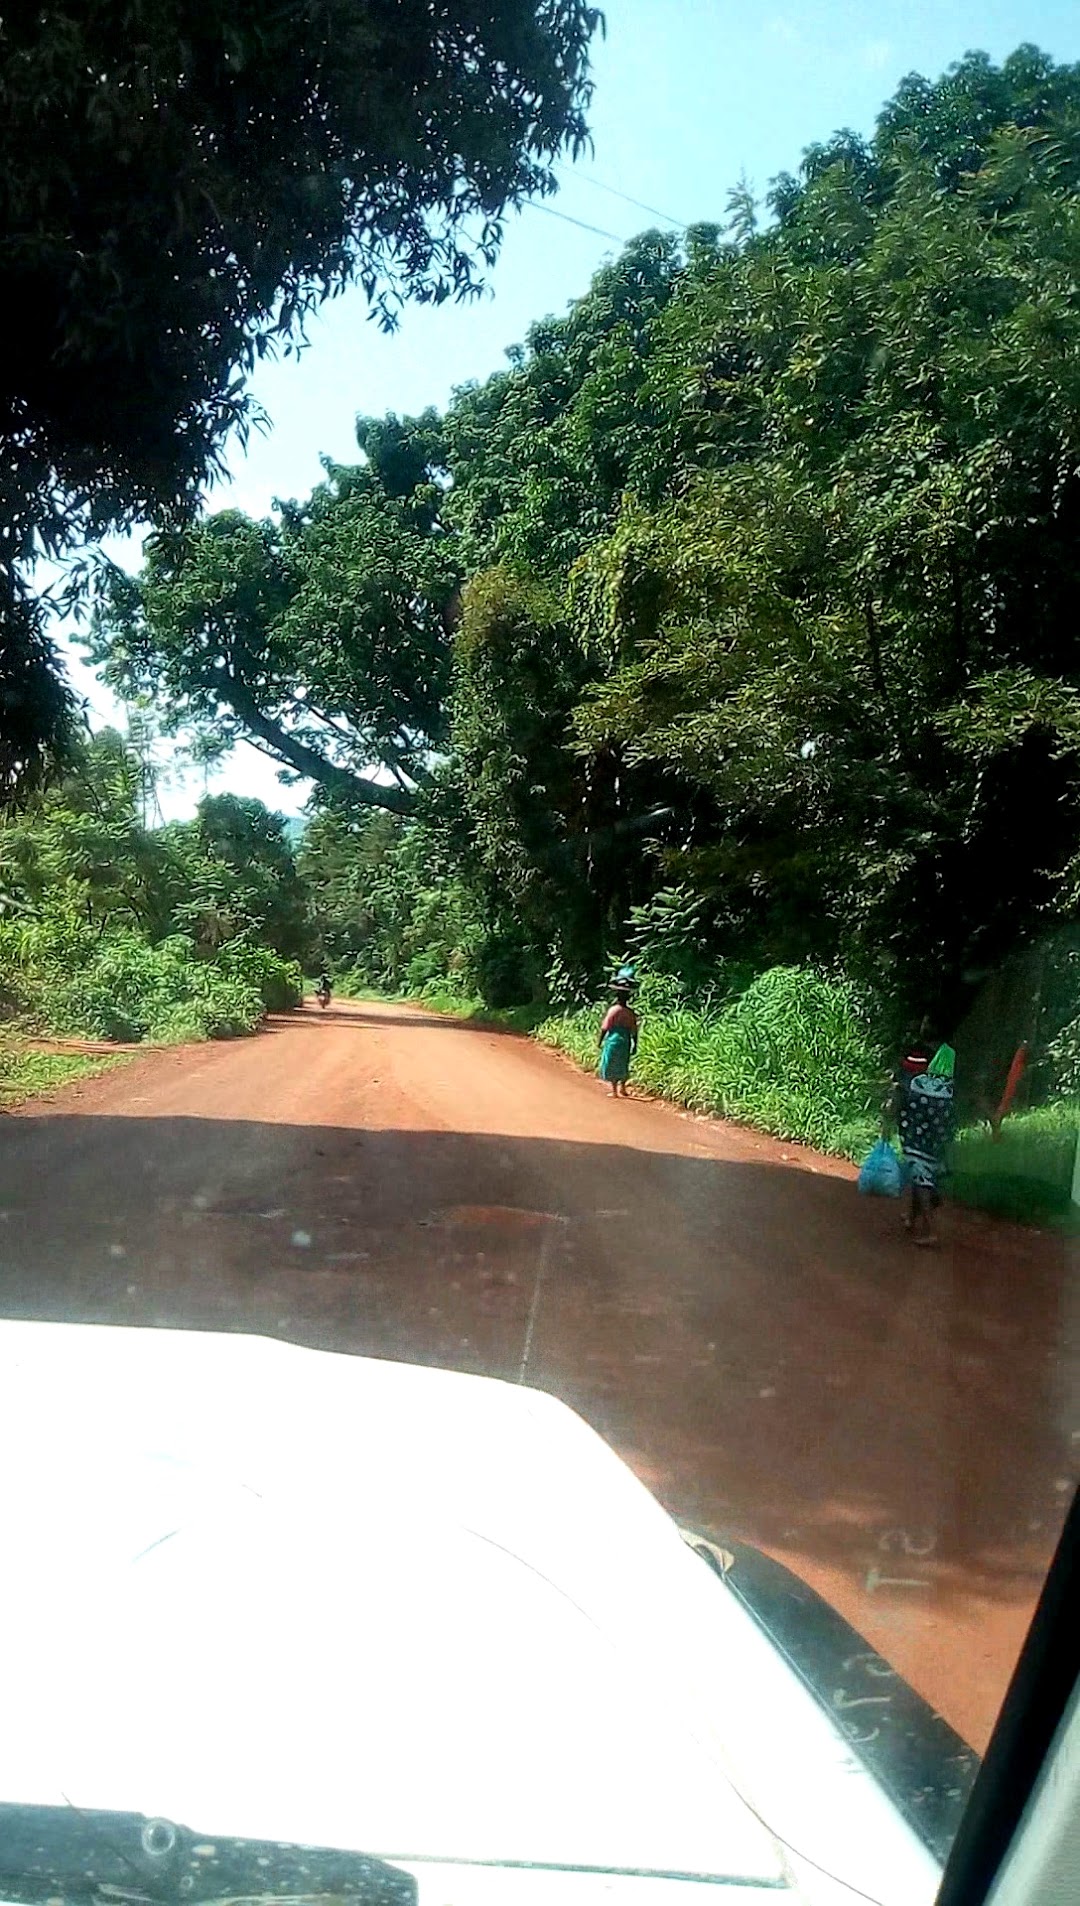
{"points": [[573, 173], [534, 205]]}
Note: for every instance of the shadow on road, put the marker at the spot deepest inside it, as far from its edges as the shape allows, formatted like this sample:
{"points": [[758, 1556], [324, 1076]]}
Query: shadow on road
{"points": [[776, 1364]]}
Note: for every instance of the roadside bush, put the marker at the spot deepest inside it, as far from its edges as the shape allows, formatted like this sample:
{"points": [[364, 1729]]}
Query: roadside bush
{"points": [[354, 984], [62, 976], [573, 1033], [279, 982], [792, 1055], [223, 1005], [451, 999], [660, 994], [429, 968], [122, 988], [668, 937], [36, 953], [126, 990], [566, 985]]}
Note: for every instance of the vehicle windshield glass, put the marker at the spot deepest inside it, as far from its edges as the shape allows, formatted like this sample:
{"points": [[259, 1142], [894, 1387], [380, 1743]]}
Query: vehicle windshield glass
{"points": [[539, 928]]}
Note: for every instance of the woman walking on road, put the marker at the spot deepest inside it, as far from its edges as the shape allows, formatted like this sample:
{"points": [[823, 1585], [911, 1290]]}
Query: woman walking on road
{"points": [[618, 1040]]}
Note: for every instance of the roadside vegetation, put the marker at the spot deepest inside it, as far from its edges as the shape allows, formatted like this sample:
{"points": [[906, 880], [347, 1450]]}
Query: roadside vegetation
{"points": [[113, 929], [1027, 1171], [730, 627], [29, 1071], [760, 574], [792, 1055]]}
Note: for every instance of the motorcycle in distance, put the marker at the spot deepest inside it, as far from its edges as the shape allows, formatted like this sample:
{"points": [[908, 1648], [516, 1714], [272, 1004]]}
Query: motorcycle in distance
{"points": [[322, 991]]}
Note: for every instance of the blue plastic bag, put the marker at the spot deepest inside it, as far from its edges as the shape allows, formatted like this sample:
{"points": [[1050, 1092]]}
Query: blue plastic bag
{"points": [[882, 1174]]}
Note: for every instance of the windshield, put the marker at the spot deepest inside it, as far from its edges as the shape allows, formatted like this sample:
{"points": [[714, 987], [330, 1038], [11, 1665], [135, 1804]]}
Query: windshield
{"points": [[539, 841]]}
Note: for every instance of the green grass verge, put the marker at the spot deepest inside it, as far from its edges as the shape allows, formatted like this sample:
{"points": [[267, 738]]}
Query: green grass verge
{"points": [[524, 1019], [790, 1057], [26, 1071], [1026, 1174], [442, 999]]}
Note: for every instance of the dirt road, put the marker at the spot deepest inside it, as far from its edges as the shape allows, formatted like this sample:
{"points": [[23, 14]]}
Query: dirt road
{"points": [[901, 1428]]}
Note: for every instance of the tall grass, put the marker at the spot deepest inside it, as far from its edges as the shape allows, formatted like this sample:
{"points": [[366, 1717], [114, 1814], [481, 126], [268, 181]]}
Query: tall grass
{"points": [[1027, 1172], [793, 1056]]}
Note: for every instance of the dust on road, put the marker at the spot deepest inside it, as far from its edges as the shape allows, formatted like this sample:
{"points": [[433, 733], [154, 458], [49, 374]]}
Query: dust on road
{"points": [[900, 1428]]}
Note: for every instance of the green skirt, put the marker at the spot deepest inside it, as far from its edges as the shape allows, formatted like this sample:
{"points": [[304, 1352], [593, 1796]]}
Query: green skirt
{"points": [[615, 1056]]}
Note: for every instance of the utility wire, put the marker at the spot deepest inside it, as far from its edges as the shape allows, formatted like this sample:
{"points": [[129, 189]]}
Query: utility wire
{"points": [[572, 172], [535, 205]]}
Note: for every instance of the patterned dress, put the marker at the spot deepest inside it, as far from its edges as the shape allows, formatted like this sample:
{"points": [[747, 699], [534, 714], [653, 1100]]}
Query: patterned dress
{"points": [[925, 1126]]}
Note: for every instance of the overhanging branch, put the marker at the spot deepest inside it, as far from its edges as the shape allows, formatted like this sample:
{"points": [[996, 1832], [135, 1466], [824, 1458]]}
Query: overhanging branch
{"points": [[295, 754]]}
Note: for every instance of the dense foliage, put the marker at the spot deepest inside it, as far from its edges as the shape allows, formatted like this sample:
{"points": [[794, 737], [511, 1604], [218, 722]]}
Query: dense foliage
{"points": [[733, 623], [114, 930], [180, 185], [324, 634]]}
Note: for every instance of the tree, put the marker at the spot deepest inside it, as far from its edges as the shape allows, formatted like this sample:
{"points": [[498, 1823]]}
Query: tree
{"points": [[36, 709], [324, 635], [340, 860], [856, 640], [541, 452], [824, 613], [181, 184], [240, 878], [82, 852], [321, 634], [519, 810], [80, 847], [770, 578], [388, 901]]}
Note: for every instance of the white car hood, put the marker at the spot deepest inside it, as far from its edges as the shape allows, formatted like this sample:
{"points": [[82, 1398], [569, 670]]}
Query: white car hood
{"points": [[282, 1594]]}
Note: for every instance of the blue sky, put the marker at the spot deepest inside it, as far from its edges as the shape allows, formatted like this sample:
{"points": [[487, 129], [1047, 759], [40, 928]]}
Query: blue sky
{"points": [[690, 94]]}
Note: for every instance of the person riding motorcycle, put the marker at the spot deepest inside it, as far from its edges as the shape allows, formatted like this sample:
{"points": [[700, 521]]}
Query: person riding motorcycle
{"points": [[323, 989]]}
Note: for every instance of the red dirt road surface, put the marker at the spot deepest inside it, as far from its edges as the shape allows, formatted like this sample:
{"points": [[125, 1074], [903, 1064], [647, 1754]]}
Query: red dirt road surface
{"points": [[762, 1346]]}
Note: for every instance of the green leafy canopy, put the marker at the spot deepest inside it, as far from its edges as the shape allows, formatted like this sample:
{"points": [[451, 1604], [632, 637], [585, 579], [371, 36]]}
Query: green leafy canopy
{"points": [[181, 184], [755, 576]]}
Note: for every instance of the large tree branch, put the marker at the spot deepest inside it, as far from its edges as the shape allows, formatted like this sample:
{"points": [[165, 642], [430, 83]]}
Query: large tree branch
{"points": [[396, 755], [401, 752], [305, 706], [292, 753]]}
